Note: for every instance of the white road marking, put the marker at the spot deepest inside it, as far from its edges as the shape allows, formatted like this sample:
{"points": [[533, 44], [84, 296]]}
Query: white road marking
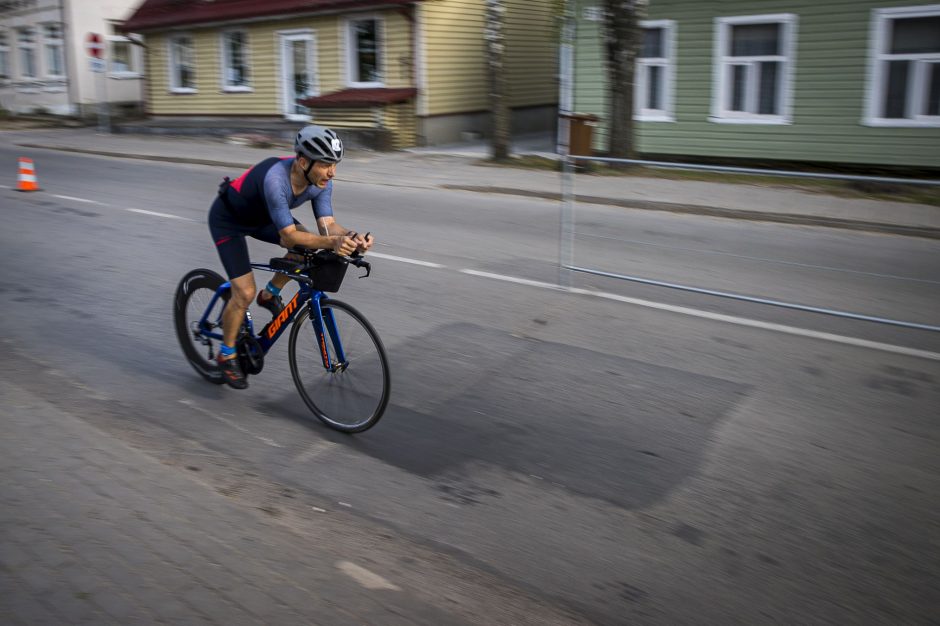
{"points": [[402, 259], [718, 317], [369, 580], [5, 187], [314, 450], [155, 214], [74, 199], [265, 440], [515, 279]]}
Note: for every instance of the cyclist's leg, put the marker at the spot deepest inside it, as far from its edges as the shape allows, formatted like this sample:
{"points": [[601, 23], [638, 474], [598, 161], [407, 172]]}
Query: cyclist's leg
{"points": [[243, 290], [233, 251], [269, 297]]}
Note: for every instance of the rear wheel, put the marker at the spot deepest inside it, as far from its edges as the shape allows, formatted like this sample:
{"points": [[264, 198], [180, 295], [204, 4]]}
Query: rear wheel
{"points": [[352, 395], [193, 296]]}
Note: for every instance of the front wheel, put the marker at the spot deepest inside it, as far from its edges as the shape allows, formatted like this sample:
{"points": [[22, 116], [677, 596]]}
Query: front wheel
{"points": [[351, 395], [193, 296]]}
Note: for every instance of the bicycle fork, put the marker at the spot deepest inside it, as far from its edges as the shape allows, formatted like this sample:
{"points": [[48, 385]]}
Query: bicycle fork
{"points": [[324, 321]]}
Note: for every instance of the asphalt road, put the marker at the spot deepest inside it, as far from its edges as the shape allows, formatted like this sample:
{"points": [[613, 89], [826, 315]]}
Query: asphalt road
{"points": [[673, 458]]}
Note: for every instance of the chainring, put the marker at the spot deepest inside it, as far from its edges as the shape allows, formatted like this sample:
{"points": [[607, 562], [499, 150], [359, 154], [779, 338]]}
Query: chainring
{"points": [[250, 355]]}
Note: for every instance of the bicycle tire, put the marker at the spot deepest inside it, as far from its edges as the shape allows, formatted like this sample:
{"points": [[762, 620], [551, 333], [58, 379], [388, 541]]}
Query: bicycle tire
{"points": [[354, 398], [193, 295]]}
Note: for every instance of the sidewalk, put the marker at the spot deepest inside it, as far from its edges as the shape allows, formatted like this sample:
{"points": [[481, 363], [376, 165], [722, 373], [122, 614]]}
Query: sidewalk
{"points": [[94, 530], [459, 167]]}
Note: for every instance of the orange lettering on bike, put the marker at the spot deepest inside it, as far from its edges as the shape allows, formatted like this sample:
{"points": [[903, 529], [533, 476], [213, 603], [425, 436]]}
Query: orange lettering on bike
{"points": [[282, 317], [326, 358]]}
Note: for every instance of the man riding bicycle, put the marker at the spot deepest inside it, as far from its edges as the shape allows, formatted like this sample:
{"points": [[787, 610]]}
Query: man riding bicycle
{"points": [[258, 204]]}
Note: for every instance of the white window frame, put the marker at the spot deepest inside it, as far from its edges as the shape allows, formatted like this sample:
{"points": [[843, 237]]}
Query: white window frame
{"points": [[55, 46], [171, 62], [667, 63], [6, 66], [877, 78], [133, 56], [20, 47], [226, 62], [723, 62], [351, 53]]}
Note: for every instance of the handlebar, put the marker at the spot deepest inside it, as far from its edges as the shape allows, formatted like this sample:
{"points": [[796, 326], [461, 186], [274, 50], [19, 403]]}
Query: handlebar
{"points": [[315, 257]]}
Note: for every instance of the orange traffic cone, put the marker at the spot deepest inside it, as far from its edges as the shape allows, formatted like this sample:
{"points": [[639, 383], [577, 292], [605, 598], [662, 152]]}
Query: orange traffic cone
{"points": [[27, 181]]}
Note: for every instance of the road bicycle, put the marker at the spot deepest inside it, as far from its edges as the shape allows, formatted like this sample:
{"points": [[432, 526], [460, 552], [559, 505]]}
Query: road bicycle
{"points": [[337, 360]]}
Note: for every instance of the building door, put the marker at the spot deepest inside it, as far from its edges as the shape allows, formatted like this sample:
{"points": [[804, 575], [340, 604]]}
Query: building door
{"points": [[297, 73]]}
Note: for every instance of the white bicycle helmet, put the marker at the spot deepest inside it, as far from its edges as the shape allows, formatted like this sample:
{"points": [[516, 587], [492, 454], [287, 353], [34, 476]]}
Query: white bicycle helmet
{"points": [[319, 143]]}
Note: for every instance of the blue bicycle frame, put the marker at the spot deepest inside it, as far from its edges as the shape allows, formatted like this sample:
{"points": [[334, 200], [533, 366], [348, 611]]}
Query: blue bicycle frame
{"points": [[323, 319]]}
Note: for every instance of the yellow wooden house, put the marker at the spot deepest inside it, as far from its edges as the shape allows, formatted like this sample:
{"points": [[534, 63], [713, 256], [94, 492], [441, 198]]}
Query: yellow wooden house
{"points": [[414, 71]]}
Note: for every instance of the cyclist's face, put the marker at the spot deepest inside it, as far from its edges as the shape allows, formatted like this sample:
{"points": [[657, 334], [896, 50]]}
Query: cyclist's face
{"points": [[321, 173]]}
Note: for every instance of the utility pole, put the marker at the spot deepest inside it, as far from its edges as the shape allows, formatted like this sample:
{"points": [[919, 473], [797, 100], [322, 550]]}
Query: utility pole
{"points": [[495, 48]]}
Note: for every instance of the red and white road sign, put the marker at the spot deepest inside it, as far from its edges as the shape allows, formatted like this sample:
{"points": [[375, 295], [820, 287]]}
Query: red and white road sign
{"points": [[94, 45]]}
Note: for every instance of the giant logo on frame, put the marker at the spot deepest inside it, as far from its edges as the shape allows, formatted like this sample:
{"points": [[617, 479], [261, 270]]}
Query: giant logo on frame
{"points": [[282, 317]]}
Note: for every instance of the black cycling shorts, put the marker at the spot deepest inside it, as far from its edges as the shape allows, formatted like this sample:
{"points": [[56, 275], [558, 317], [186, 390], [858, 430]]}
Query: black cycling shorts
{"points": [[229, 237]]}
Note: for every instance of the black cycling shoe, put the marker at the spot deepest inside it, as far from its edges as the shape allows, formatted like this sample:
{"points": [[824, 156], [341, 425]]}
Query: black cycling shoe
{"points": [[273, 303], [232, 373]]}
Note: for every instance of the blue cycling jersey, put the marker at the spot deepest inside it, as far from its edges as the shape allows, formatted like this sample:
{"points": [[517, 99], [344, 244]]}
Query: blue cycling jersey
{"points": [[263, 195]]}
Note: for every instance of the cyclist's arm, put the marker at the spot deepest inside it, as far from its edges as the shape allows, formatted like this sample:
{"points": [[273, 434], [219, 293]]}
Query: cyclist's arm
{"points": [[294, 236], [329, 225]]}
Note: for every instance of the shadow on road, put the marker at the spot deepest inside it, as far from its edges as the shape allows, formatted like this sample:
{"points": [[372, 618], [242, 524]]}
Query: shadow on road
{"points": [[602, 426]]}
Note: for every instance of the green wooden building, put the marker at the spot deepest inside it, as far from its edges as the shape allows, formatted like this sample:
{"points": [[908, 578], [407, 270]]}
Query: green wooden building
{"points": [[844, 81]]}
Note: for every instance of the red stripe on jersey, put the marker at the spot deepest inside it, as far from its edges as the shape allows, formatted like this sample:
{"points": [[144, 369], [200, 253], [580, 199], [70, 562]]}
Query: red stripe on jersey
{"points": [[238, 182]]}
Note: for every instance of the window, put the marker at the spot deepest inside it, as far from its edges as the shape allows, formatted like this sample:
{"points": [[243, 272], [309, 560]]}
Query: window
{"points": [[754, 61], [4, 56], [904, 67], [122, 57], [52, 44], [182, 64], [235, 61], [26, 43], [654, 71], [593, 14], [365, 65]]}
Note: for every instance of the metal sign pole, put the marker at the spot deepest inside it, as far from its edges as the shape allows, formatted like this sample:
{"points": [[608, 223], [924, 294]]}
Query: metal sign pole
{"points": [[566, 102], [95, 46], [99, 89], [566, 242], [104, 118]]}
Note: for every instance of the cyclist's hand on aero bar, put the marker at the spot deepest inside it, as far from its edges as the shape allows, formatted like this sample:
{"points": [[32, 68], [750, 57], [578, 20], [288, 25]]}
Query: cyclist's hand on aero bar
{"points": [[343, 244], [363, 242]]}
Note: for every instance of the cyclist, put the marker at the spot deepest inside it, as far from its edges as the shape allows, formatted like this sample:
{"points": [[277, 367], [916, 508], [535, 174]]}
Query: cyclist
{"points": [[258, 204]]}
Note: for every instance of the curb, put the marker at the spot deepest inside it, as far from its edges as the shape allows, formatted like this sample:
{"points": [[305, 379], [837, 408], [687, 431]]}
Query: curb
{"points": [[140, 157], [926, 232]]}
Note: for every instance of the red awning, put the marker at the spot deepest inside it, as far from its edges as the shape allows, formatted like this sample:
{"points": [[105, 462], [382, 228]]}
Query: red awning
{"points": [[156, 14], [361, 97]]}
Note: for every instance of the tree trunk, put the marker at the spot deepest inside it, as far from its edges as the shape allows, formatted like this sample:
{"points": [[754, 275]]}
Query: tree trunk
{"points": [[622, 39], [499, 108]]}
